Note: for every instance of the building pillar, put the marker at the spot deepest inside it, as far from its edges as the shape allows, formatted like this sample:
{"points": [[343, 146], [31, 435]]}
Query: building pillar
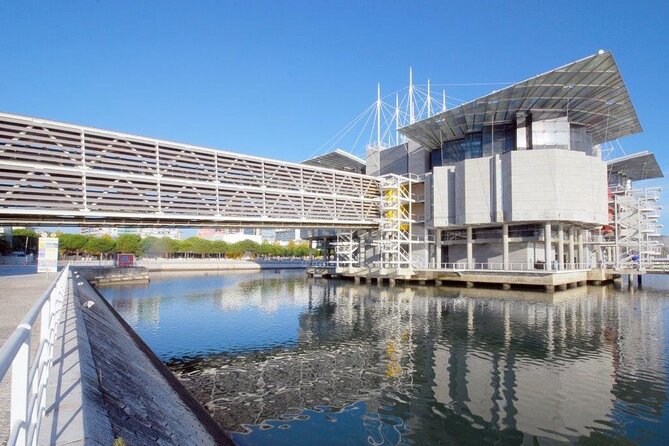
{"points": [[505, 246], [361, 251], [470, 250], [437, 243], [548, 252], [581, 249], [571, 247], [560, 264]]}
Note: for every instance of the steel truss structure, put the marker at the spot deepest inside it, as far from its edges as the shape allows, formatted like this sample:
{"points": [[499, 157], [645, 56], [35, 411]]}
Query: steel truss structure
{"points": [[57, 173], [635, 216], [395, 226], [347, 249]]}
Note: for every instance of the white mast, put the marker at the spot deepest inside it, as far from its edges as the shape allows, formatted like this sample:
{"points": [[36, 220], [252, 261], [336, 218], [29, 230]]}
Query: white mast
{"points": [[378, 115], [429, 100], [411, 115], [443, 100], [397, 118]]}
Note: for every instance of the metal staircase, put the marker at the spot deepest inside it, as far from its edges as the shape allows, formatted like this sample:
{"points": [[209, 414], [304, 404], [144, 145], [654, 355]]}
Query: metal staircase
{"points": [[394, 240], [636, 213]]}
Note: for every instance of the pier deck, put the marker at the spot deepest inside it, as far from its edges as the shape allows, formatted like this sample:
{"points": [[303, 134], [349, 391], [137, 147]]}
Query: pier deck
{"points": [[547, 280]]}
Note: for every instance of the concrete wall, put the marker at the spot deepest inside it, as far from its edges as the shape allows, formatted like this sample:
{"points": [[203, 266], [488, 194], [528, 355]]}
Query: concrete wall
{"points": [[443, 196], [522, 186], [419, 158], [519, 253], [394, 160], [557, 185], [474, 181]]}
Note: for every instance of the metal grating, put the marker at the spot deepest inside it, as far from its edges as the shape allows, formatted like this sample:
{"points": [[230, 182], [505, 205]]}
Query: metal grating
{"points": [[57, 173]]}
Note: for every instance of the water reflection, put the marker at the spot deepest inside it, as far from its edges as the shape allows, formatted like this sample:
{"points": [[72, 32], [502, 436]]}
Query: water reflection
{"points": [[290, 360]]}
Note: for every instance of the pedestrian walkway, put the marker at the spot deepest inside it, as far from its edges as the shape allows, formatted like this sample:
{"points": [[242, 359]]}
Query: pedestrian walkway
{"points": [[20, 287]]}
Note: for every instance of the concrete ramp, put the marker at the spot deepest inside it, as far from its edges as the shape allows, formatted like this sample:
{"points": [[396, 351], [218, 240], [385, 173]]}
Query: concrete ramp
{"points": [[106, 384]]}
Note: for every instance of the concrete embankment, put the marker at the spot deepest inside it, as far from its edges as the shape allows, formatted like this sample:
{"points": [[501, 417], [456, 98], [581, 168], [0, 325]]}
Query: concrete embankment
{"points": [[98, 275], [106, 384], [218, 265]]}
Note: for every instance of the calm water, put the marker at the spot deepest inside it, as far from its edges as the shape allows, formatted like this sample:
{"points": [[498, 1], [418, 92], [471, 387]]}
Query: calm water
{"points": [[282, 359]]}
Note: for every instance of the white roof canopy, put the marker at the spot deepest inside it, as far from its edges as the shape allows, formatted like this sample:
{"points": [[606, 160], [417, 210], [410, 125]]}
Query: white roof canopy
{"points": [[590, 90]]}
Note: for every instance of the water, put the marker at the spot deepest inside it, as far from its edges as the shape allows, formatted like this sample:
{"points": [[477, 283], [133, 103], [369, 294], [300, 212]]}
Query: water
{"points": [[282, 359]]}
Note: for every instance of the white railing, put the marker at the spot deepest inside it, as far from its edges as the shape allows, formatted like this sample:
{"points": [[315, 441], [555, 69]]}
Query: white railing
{"points": [[490, 266], [29, 380]]}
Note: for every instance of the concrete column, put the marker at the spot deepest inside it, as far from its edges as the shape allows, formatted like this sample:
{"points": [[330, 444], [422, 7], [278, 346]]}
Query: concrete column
{"points": [[505, 245], [548, 252], [581, 249], [362, 261], [470, 250], [437, 243], [560, 246], [571, 247]]}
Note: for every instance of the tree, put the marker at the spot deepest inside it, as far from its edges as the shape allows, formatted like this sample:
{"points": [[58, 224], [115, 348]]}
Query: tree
{"points": [[129, 243], [24, 240], [99, 245], [186, 246], [219, 247], [24, 232], [70, 244]]}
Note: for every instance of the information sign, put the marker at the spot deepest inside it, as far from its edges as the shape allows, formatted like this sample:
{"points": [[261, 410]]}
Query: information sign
{"points": [[47, 256]]}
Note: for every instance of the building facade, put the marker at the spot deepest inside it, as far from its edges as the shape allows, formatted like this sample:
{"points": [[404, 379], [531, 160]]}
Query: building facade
{"points": [[518, 180]]}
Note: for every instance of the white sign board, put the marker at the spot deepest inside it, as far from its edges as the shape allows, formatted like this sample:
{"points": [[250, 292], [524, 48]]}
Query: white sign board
{"points": [[47, 257]]}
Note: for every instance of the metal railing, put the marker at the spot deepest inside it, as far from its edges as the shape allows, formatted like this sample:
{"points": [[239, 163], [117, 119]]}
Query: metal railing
{"points": [[491, 266], [29, 379]]}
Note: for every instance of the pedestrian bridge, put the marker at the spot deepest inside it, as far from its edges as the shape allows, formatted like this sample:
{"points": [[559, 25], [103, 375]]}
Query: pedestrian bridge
{"points": [[53, 173]]}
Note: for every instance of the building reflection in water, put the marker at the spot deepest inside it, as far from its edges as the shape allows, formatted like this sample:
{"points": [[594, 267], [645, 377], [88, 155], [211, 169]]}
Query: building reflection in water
{"points": [[467, 365]]}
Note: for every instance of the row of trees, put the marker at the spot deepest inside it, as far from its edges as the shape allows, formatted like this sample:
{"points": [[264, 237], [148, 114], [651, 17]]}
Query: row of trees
{"points": [[76, 244]]}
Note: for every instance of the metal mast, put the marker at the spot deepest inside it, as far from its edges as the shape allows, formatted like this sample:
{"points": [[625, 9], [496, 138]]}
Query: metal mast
{"points": [[378, 115], [397, 118], [443, 100], [411, 113], [429, 100]]}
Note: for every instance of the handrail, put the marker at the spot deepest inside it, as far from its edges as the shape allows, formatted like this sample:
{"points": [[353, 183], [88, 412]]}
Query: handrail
{"points": [[29, 378], [500, 266]]}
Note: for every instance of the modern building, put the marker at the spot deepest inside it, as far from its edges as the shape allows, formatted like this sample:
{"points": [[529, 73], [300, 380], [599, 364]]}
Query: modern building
{"points": [[516, 180], [111, 231], [230, 235]]}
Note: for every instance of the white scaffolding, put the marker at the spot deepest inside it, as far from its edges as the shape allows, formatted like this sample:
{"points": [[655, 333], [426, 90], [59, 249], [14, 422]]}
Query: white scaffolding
{"points": [[631, 242], [394, 240], [346, 250]]}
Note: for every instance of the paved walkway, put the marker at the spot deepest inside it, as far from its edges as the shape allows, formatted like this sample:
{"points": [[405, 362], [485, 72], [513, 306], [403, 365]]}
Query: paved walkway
{"points": [[20, 287]]}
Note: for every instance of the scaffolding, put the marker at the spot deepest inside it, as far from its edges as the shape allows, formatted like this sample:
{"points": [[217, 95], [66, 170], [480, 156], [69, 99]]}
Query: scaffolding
{"points": [[630, 241], [347, 249], [394, 239]]}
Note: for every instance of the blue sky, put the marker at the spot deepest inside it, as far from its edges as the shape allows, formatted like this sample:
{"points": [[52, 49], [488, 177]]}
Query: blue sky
{"points": [[278, 79]]}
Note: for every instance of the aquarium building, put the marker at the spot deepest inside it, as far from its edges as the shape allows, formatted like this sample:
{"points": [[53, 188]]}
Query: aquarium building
{"points": [[518, 179]]}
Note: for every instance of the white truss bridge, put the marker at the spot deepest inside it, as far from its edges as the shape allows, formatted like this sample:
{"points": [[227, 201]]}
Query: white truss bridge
{"points": [[62, 174]]}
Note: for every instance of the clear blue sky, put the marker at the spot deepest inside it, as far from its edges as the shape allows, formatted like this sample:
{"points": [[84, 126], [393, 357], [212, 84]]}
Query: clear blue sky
{"points": [[278, 79]]}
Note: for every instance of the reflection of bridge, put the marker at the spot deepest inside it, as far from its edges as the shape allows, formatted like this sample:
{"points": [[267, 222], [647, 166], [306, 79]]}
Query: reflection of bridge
{"points": [[57, 173]]}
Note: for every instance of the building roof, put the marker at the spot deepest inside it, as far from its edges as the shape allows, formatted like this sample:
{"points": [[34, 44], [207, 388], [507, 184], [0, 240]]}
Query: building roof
{"points": [[591, 90], [339, 160], [638, 166]]}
